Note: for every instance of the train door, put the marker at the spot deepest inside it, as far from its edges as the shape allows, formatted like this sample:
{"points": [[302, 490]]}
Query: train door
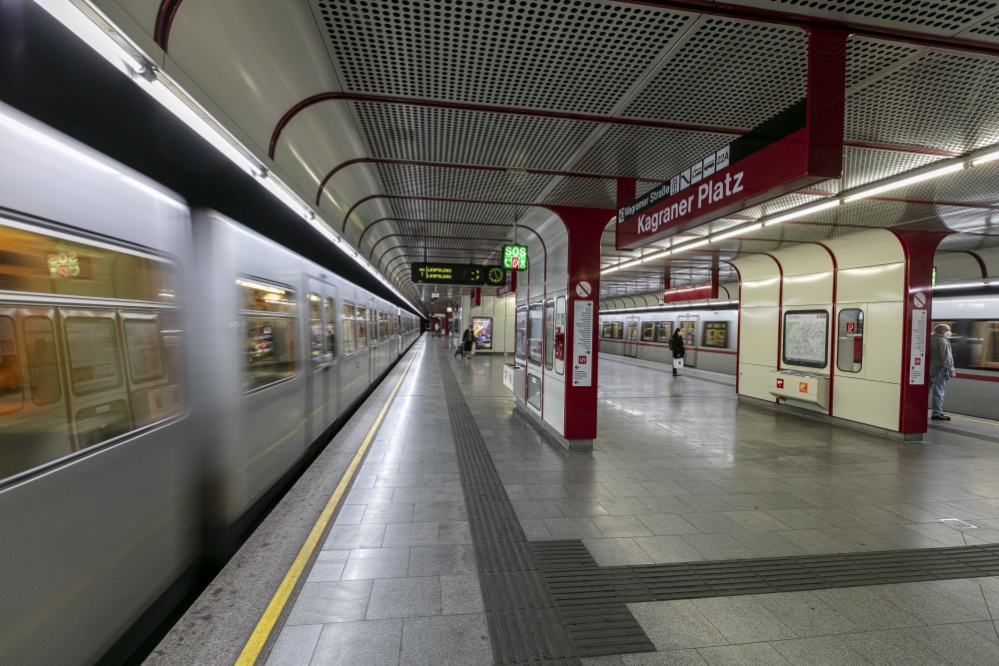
{"points": [[373, 354], [631, 337], [688, 329], [322, 385]]}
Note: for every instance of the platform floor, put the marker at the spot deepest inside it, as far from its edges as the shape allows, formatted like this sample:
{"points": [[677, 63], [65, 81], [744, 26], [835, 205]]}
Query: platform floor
{"points": [[680, 472]]}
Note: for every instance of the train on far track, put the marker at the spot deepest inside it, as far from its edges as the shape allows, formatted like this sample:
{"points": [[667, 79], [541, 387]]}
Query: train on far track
{"points": [[163, 374]]}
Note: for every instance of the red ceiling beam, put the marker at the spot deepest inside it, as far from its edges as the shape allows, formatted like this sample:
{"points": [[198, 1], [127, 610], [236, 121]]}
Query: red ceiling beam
{"points": [[472, 167], [561, 115], [164, 22]]}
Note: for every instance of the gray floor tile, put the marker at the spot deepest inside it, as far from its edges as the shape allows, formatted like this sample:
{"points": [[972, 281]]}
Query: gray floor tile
{"points": [[295, 645], [442, 560], [372, 643], [328, 566], [580, 527], [343, 537], [454, 532], [823, 651], [404, 597], [892, 648], [743, 620], [620, 526], [320, 603], [676, 624], [958, 644], [754, 654], [719, 546], [926, 605], [615, 552], [460, 595], [806, 615], [364, 563], [866, 609], [667, 658], [663, 549], [411, 534], [447, 640], [388, 513]]}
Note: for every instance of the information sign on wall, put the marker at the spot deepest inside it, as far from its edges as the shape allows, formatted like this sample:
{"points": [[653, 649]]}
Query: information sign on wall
{"points": [[917, 348], [582, 343], [515, 257], [806, 338], [465, 274]]}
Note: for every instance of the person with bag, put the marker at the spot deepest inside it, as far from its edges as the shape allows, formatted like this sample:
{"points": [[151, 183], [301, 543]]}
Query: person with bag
{"points": [[467, 339], [676, 346]]}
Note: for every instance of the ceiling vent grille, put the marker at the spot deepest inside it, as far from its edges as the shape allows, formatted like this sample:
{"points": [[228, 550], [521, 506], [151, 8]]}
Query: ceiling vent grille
{"points": [[729, 74], [564, 54], [929, 16]]}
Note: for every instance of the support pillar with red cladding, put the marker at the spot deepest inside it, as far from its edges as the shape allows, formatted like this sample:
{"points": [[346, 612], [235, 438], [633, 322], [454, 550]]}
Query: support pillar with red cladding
{"points": [[585, 226]]}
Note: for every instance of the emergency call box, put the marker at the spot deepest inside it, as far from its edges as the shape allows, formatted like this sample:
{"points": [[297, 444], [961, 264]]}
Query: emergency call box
{"points": [[800, 387]]}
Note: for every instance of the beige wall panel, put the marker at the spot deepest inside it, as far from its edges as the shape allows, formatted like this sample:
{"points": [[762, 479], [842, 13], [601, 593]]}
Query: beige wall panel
{"points": [[758, 336], [872, 283], [804, 260], [761, 292], [868, 248], [756, 267], [956, 266], [806, 290], [754, 381], [883, 342], [864, 401]]}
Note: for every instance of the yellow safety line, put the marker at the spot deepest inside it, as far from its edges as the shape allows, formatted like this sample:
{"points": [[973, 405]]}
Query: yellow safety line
{"points": [[964, 418], [252, 649]]}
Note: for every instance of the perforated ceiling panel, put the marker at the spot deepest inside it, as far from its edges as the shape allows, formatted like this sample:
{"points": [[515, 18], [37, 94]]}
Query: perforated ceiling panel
{"points": [[941, 100], [468, 137], [497, 232], [562, 54], [869, 57], [728, 74], [644, 151], [459, 212], [461, 183], [929, 16], [594, 192]]}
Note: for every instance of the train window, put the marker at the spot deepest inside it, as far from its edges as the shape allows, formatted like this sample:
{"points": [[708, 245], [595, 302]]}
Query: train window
{"points": [[664, 331], [330, 309], [520, 341], [43, 364], [145, 357], [269, 333], [349, 343], [94, 360], [11, 390], [48, 264], [550, 334], [316, 337], [361, 328], [383, 326], [535, 334], [648, 331], [850, 340], [716, 334]]}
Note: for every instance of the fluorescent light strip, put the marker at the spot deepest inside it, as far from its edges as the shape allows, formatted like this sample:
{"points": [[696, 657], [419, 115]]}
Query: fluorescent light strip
{"points": [[107, 40], [911, 180], [964, 285], [799, 212]]}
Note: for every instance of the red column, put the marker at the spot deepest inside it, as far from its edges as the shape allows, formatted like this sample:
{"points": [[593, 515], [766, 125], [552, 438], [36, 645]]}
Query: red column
{"points": [[585, 226], [919, 248]]}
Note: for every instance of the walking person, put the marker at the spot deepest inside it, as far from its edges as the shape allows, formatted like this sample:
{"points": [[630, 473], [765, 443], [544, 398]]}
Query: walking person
{"points": [[467, 340], [676, 346], [941, 369]]}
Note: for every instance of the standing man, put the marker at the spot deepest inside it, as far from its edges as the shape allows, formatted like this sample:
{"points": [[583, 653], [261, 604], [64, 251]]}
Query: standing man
{"points": [[941, 369]]}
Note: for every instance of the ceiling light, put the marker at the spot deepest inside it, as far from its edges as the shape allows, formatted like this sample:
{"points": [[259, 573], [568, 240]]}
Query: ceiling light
{"points": [[984, 159], [911, 180], [801, 212], [736, 232], [963, 285]]}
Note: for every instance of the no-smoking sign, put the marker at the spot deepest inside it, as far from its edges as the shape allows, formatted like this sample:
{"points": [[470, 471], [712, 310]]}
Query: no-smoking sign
{"points": [[919, 299], [583, 289]]}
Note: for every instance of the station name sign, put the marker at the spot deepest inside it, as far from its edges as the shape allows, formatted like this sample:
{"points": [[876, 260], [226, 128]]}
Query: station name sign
{"points": [[798, 147], [460, 274]]}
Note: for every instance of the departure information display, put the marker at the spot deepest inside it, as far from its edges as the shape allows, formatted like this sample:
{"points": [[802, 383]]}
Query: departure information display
{"points": [[463, 274]]}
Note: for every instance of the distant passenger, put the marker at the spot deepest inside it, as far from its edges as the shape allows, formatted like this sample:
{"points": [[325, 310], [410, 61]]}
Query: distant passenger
{"points": [[676, 346], [941, 369], [467, 340]]}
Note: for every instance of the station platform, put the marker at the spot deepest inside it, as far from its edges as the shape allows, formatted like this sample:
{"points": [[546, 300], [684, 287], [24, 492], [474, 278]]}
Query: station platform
{"points": [[697, 531]]}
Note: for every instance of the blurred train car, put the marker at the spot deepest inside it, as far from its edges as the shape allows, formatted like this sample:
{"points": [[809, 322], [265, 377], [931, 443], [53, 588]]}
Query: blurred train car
{"points": [[710, 335], [160, 377], [974, 322]]}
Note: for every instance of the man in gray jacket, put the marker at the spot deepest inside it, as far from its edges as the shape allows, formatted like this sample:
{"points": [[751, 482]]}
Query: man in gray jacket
{"points": [[941, 369]]}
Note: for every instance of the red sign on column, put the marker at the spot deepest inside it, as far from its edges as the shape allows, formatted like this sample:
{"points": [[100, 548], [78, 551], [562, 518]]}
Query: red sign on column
{"points": [[798, 147]]}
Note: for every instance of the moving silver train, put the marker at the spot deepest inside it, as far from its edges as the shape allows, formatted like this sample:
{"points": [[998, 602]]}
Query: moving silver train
{"points": [[162, 371]]}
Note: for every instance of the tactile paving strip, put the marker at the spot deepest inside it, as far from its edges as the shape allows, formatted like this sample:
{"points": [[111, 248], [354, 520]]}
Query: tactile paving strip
{"points": [[573, 580], [527, 623], [966, 433]]}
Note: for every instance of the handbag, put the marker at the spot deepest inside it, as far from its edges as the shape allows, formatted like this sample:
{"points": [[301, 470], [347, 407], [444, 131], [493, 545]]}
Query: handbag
{"points": [[678, 363]]}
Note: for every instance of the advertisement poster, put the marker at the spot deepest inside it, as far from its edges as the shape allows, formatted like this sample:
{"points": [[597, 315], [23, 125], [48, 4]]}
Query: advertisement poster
{"points": [[482, 330]]}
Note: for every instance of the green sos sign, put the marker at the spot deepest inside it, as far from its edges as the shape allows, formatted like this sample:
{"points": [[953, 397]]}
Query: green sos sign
{"points": [[515, 257]]}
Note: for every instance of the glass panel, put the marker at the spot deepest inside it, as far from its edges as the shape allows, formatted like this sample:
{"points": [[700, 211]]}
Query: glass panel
{"points": [[270, 350], [549, 334], [716, 334], [142, 343], [11, 390], [648, 331], [806, 338], [43, 361], [383, 326], [535, 334], [850, 340], [261, 297], [330, 328], [520, 342], [361, 326], [316, 337], [664, 331], [38, 263], [349, 344], [94, 361]]}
